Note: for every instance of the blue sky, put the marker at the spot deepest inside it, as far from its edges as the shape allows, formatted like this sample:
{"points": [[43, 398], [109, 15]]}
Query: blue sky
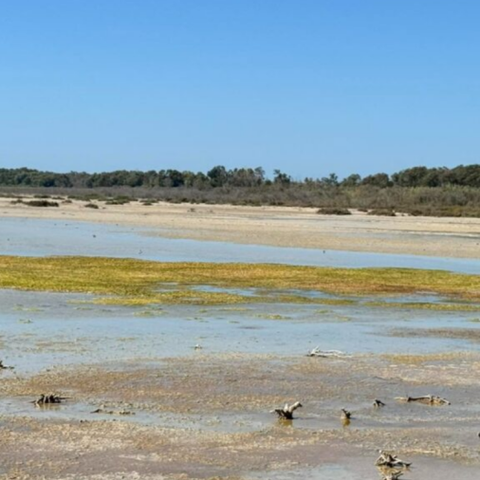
{"points": [[309, 87]]}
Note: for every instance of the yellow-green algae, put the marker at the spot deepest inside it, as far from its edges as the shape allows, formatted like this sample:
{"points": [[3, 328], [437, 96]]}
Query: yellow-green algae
{"points": [[446, 307], [139, 282]]}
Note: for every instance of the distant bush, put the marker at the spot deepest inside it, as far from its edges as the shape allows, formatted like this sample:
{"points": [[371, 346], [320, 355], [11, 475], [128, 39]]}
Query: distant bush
{"points": [[451, 211], [87, 197], [91, 205], [148, 201], [382, 212], [16, 201], [41, 203], [122, 200], [334, 211]]}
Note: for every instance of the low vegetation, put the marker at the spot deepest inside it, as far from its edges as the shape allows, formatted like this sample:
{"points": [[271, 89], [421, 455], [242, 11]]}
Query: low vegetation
{"points": [[41, 203], [414, 191], [333, 211], [383, 212], [129, 281]]}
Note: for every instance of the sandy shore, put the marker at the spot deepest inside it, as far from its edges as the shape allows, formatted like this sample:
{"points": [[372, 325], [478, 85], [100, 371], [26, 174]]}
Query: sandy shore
{"points": [[277, 226]]}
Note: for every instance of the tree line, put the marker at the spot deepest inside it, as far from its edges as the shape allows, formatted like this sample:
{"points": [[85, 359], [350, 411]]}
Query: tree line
{"points": [[221, 177]]}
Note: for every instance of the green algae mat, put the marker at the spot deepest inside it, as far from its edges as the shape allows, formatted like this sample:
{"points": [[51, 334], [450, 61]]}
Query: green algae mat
{"points": [[130, 281]]}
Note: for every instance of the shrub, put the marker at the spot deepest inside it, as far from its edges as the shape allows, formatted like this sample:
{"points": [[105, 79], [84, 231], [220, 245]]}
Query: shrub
{"points": [[41, 203], [383, 212], [91, 205], [334, 211], [120, 200]]}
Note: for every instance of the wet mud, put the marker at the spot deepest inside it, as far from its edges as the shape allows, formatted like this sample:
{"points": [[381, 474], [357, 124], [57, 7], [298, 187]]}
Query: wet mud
{"points": [[186, 393]]}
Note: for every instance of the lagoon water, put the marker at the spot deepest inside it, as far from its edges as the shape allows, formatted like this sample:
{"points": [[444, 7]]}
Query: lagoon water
{"points": [[41, 329], [32, 237]]}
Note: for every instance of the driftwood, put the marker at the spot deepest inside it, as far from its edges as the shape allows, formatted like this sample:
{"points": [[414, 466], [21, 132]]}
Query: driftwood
{"points": [[113, 412], [390, 466], [287, 411], [5, 367], [316, 352], [425, 399], [346, 415], [378, 403], [389, 460], [48, 400]]}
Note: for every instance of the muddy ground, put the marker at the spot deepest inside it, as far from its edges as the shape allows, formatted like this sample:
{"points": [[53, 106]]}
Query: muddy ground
{"points": [[208, 415]]}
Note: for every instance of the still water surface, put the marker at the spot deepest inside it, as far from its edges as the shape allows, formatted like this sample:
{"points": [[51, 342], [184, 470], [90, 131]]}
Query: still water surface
{"points": [[41, 329], [31, 237]]}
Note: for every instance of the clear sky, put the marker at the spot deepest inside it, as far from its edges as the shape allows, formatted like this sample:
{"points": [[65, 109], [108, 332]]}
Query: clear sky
{"points": [[306, 86]]}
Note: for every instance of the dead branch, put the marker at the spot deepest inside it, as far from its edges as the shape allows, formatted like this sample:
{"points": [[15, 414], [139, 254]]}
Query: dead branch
{"points": [[113, 412], [388, 460], [316, 352], [425, 399], [287, 411], [346, 415], [5, 367], [48, 400]]}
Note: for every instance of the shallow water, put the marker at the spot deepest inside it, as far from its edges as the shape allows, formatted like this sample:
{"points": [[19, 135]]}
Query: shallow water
{"points": [[46, 331], [32, 237], [81, 411], [358, 468], [41, 330]]}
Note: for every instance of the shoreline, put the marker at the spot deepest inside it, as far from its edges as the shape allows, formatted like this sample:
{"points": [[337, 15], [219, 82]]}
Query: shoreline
{"points": [[275, 226]]}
